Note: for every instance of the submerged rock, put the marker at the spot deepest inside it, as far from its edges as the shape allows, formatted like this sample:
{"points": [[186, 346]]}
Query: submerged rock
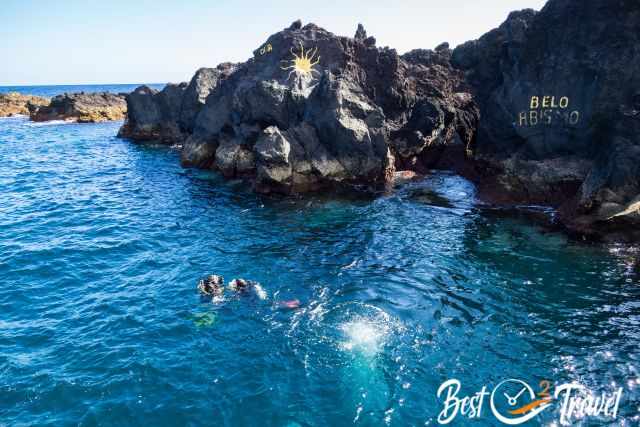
{"points": [[83, 108], [559, 99], [312, 110], [429, 197], [14, 104]]}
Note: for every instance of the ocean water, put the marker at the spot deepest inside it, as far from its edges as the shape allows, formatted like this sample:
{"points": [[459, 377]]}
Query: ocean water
{"points": [[102, 243], [50, 91]]}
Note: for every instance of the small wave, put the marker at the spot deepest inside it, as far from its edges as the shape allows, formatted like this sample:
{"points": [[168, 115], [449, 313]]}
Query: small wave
{"points": [[354, 263], [50, 123], [15, 117]]}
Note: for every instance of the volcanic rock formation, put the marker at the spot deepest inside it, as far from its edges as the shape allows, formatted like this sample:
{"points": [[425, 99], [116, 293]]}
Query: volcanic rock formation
{"points": [[559, 95], [544, 109], [312, 110]]}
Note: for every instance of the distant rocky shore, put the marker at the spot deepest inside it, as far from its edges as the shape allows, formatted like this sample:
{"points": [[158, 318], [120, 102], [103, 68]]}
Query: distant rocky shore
{"points": [[76, 107], [544, 110], [15, 104]]}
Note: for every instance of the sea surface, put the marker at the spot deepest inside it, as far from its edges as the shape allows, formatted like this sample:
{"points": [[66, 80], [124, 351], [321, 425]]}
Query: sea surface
{"points": [[103, 241], [50, 91]]}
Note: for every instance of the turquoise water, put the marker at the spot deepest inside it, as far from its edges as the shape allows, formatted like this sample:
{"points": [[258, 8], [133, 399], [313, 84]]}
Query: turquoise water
{"points": [[102, 242]]}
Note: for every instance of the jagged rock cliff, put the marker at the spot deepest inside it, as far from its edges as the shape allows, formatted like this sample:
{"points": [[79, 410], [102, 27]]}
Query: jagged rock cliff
{"points": [[312, 110], [559, 95], [544, 109]]}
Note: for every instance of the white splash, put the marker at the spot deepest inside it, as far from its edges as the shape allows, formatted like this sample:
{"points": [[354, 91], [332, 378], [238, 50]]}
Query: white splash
{"points": [[51, 123], [15, 116], [260, 292], [366, 336], [351, 265]]}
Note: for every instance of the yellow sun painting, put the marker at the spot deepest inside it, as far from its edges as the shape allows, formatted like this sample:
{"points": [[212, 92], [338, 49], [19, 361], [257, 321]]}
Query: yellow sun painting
{"points": [[302, 64]]}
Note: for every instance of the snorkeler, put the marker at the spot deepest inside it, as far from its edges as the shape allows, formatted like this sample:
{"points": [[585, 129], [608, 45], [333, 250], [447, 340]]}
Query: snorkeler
{"points": [[241, 285], [212, 285]]}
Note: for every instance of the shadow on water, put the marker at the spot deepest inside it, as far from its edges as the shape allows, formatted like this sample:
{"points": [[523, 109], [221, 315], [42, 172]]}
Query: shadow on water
{"points": [[429, 197]]}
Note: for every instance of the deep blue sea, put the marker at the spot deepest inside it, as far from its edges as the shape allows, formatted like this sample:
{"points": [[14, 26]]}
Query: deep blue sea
{"points": [[102, 243]]}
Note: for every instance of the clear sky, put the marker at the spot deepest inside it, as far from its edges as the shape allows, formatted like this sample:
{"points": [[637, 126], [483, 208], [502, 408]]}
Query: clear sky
{"points": [[159, 41]]}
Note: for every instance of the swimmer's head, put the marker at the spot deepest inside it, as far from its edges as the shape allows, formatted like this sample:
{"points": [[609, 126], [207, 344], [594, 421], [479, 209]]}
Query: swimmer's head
{"points": [[239, 284], [214, 279], [212, 285]]}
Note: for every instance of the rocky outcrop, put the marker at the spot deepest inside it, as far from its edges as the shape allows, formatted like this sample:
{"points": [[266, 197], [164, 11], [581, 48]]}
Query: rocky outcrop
{"points": [[15, 104], [559, 96], [544, 109], [312, 110], [83, 108], [168, 116]]}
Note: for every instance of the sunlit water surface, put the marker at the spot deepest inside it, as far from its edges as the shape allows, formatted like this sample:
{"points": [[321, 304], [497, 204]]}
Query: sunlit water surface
{"points": [[102, 242]]}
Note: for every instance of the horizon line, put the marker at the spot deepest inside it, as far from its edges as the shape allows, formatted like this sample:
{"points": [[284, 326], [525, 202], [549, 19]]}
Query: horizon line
{"points": [[84, 84]]}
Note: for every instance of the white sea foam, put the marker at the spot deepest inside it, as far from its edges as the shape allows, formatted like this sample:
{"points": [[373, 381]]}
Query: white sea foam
{"points": [[366, 335], [15, 117], [50, 123], [353, 264], [262, 294]]}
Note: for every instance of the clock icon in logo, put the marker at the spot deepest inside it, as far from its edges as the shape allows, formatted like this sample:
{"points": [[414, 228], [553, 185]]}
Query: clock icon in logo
{"points": [[514, 402]]}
